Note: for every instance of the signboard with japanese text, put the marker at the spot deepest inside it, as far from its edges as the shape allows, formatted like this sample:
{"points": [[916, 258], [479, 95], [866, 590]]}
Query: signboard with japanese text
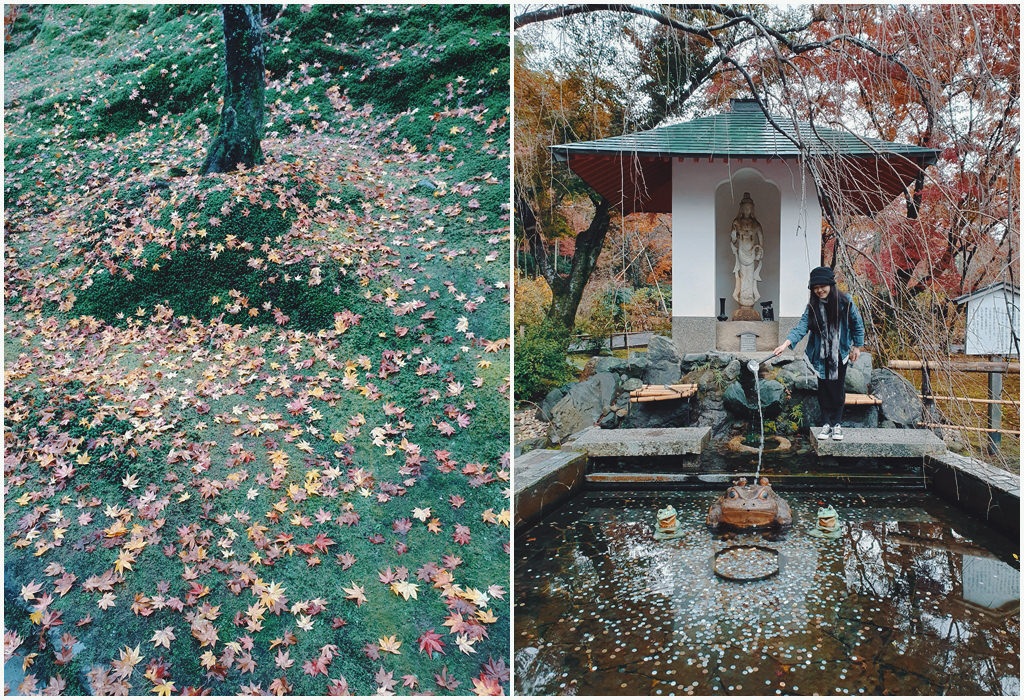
{"points": [[993, 320]]}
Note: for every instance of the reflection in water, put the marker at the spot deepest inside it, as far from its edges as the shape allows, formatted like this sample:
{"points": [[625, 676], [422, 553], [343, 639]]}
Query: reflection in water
{"points": [[902, 603]]}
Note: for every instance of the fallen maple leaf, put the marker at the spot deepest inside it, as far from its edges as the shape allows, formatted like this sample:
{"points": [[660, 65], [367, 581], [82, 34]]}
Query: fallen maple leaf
{"points": [[390, 644], [486, 686], [405, 589], [355, 593], [431, 642], [163, 637], [283, 660], [28, 591], [164, 688]]}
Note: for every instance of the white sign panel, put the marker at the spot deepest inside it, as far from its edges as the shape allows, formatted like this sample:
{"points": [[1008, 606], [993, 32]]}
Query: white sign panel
{"points": [[989, 582], [992, 322]]}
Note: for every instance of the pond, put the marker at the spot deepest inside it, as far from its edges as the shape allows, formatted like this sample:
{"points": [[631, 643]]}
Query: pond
{"points": [[915, 598]]}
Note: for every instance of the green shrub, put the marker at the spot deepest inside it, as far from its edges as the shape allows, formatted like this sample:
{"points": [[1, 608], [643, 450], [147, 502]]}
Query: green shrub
{"points": [[541, 360]]}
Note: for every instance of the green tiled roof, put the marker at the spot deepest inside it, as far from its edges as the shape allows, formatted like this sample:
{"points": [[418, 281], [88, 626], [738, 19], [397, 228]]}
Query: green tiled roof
{"points": [[744, 131]]}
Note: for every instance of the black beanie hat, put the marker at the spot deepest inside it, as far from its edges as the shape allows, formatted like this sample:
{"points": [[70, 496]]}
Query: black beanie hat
{"points": [[821, 276]]}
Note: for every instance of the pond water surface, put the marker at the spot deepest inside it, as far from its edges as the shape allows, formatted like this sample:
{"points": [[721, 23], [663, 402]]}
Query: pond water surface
{"points": [[915, 598]]}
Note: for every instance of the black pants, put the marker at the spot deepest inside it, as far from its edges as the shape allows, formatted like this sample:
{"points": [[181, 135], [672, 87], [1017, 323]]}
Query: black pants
{"points": [[832, 397]]}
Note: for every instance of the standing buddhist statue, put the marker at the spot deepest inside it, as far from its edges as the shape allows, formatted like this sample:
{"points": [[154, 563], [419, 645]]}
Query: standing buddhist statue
{"points": [[748, 246]]}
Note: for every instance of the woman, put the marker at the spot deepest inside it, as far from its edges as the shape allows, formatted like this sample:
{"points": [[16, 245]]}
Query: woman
{"points": [[837, 335]]}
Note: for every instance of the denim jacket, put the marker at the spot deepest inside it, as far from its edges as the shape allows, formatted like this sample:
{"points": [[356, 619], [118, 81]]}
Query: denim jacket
{"points": [[851, 328]]}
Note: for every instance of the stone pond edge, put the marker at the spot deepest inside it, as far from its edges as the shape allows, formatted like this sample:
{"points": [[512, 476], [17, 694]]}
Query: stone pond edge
{"points": [[544, 479]]}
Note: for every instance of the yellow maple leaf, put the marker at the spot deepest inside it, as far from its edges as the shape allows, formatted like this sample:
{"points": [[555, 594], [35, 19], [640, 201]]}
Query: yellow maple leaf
{"points": [[390, 644], [208, 660], [405, 589], [165, 688], [355, 593]]}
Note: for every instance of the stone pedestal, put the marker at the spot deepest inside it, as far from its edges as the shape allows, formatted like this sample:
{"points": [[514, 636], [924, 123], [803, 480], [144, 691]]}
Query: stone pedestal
{"points": [[727, 335], [745, 313]]}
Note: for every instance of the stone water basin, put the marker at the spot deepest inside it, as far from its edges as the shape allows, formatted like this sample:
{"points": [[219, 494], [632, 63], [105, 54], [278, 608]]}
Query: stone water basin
{"points": [[915, 598]]}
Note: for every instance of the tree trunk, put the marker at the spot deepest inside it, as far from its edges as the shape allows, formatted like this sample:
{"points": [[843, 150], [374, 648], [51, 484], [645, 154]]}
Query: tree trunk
{"points": [[566, 291], [241, 118]]}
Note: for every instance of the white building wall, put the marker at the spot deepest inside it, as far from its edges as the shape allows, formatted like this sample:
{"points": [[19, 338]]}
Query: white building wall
{"points": [[693, 232]]}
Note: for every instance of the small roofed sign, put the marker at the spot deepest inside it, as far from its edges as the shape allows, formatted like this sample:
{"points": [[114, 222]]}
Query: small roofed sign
{"points": [[993, 320], [748, 342]]}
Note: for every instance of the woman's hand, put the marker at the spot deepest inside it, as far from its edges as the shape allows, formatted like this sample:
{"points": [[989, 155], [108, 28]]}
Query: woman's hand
{"points": [[779, 350], [854, 354]]}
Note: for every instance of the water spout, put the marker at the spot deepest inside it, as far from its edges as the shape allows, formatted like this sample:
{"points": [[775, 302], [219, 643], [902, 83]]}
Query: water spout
{"points": [[754, 367]]}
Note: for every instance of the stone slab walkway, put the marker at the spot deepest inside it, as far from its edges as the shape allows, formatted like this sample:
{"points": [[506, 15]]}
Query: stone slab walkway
{"points": [[640, 442], [543, 479], [879, 442]]}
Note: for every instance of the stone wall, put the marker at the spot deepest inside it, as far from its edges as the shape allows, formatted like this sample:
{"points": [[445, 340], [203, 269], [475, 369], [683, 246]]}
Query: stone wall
{"points": [[787, 390]]}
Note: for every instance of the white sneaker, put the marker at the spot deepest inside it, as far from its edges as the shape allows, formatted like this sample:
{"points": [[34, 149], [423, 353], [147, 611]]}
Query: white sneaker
{"points": [[826, 432], [837, 432]]}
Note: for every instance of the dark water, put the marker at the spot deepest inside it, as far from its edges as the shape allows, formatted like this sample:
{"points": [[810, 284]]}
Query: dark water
{"points": [[914, 599]]}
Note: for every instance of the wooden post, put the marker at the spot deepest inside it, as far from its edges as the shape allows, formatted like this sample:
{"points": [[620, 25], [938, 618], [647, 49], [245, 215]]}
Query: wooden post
{"points": [[926, 389], [995, 411]]}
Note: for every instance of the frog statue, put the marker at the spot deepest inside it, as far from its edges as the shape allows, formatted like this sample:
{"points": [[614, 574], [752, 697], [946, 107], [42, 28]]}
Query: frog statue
{"points": [[744, 507]]}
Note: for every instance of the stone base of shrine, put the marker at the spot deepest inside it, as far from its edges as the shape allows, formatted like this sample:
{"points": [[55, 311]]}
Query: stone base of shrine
{"points": [[746, 336], [697, 334]]}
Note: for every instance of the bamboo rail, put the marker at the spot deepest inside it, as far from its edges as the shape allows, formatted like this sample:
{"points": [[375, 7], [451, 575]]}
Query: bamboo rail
{"points": [[1004, 402], [862, 400], [968, 427], [976, 366], [658, 392]]}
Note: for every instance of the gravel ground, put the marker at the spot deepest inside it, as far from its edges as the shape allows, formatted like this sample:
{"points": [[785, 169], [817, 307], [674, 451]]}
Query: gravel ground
{"points": [[527, 426]]}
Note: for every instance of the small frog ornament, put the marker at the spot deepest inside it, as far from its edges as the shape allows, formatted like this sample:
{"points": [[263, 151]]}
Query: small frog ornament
{"points": [[828, 526], [668, 527]]}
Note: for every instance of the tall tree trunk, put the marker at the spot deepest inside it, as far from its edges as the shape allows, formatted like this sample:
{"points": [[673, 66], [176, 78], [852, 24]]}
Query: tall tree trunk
{"points": [[241, 118], [567, 294], [566, 291]]}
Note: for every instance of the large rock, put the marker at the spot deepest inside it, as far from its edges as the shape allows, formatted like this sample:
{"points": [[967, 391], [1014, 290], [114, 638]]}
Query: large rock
{"points": [[584, 404], [636, 365], [732, 370], [714, 415], [799, 375], [663, 361], [674, 413], [901, 406], [553, 397], [720, 359], [615, 365], [631, 384], [858, 375], [772, 393]]}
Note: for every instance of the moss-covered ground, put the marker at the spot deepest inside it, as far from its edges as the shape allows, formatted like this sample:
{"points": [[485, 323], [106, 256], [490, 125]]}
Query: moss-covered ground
{"points": [[256, 424]]}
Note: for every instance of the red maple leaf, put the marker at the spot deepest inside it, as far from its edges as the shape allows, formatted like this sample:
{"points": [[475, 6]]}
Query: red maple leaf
{"points": [[446, 680], [322, 542], [431, 642], [461, 535], [386, 679], [314, 667]]}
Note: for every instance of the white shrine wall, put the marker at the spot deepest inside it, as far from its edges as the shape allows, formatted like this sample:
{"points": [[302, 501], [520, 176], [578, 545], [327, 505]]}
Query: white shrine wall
{"points": [[698, 258]]}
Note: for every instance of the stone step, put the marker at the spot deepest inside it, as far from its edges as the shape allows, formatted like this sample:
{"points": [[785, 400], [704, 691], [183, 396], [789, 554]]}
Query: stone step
{"points": [[545, 478], [640, 442], [612, 480], [879, 442]]}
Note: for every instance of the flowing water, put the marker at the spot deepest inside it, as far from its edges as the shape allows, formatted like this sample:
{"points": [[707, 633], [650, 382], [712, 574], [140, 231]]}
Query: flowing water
{"points": [[915, 598], [755, 367]]}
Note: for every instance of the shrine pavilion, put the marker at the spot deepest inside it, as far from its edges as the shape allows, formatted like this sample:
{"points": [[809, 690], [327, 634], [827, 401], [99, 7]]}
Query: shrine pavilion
{"points": [[699, 172]]}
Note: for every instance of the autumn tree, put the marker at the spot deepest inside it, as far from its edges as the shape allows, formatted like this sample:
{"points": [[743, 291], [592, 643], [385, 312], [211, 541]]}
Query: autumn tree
{"points": [[575, 98], [241, 117]]}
